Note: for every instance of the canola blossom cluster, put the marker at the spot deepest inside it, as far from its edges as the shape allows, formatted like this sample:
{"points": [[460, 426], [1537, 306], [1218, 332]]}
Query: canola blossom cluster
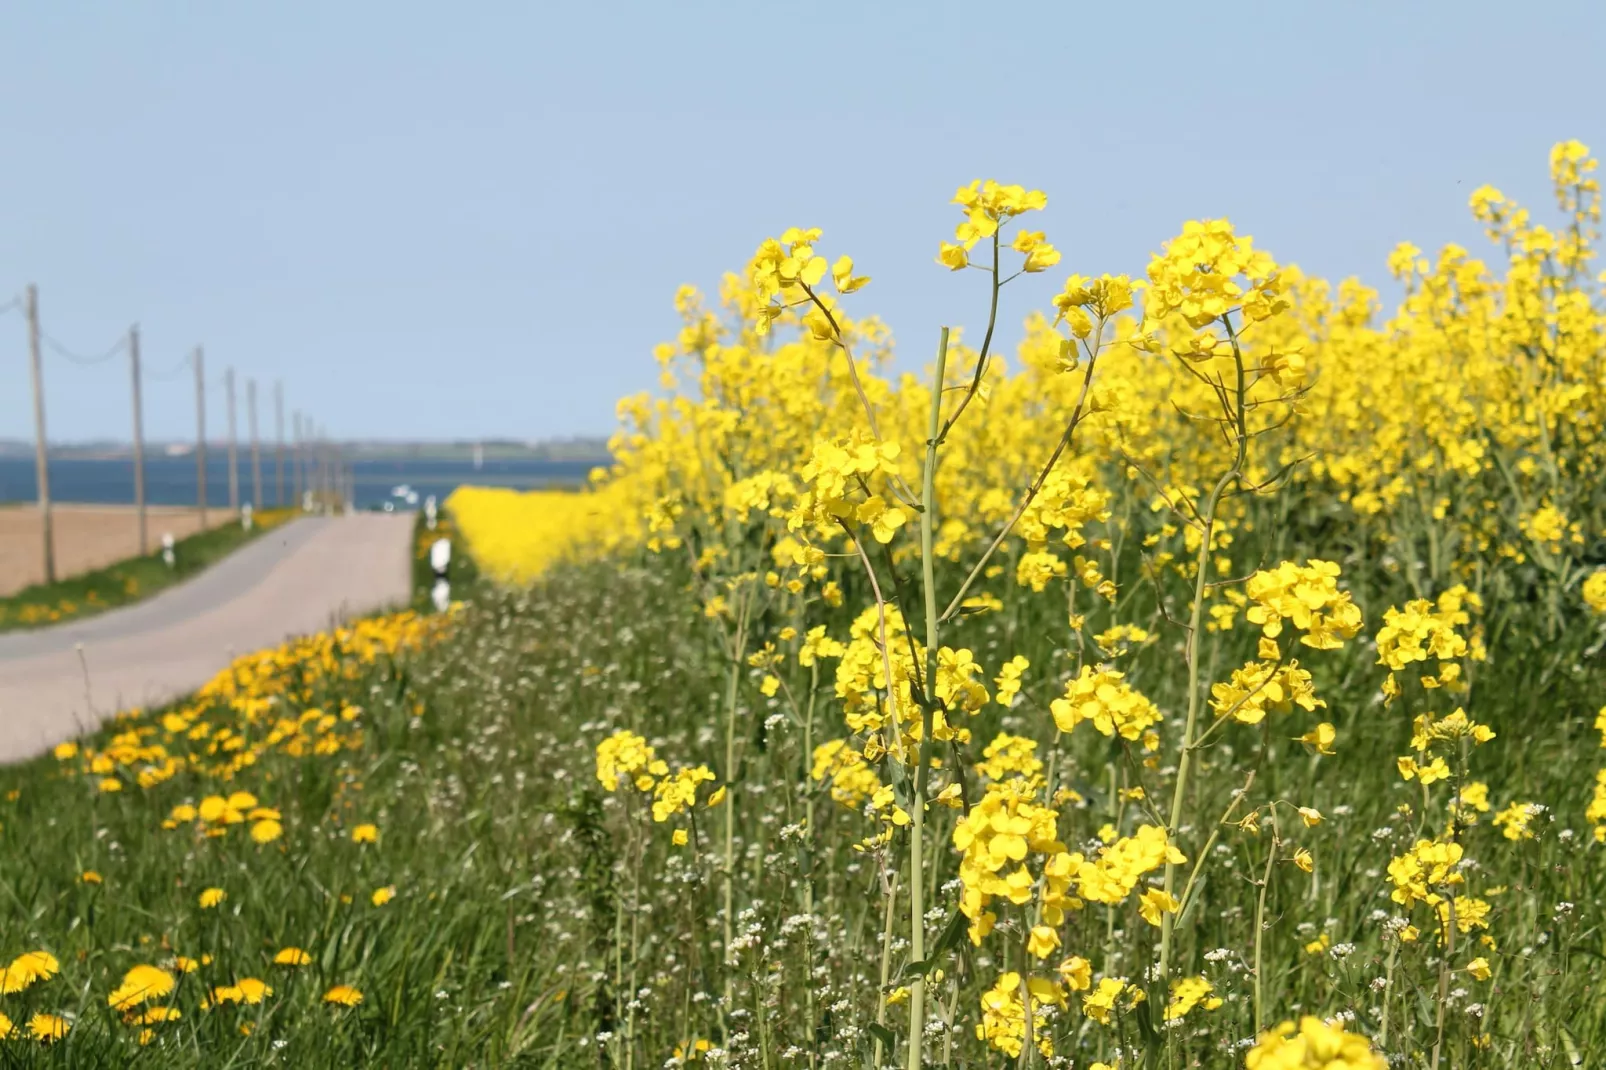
{"points": [[1187, 512]]}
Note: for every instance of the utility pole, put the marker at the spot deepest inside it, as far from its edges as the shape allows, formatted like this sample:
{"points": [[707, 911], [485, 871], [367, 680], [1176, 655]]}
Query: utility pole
{"points": [[139, 440], [41, 467], [200, 432], [278, 420], [295, 456], [234, 468], [256, 455], [326, 468], [322, 454], [309, 457]]}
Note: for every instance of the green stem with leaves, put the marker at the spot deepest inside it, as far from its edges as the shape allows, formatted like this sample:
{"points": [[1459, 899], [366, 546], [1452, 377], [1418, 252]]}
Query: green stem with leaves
{"points": [[1260, 928], [917, 806], [1237, 415], [886, 963], [738, 644]]}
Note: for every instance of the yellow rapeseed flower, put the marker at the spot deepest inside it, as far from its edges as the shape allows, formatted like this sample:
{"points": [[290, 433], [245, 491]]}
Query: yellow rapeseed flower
{"points": [[1593, 590], [1312, 1045]]}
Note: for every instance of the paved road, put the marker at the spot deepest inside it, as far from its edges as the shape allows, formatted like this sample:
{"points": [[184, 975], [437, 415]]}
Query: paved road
{"points": [[296, 579]]}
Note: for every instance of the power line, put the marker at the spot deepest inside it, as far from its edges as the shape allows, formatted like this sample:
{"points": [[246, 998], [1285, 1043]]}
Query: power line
{"points": [[171, 374], [78, 358]]}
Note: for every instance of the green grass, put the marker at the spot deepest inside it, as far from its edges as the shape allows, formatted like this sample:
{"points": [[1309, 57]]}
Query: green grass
{"points": [[128, 581], [536, 912], [462, 573]]}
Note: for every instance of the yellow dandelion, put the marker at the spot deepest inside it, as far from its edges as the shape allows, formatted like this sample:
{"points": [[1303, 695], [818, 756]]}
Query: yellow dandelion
{"points": [[365, 834], [25, 969], [345, 995], [266, 831], [383, 895], [184, 964], [211, 897], [292, 956], [89, 876], [252, 990], [48, 1028], [140, 983], [153, 1015], [220, 995]]}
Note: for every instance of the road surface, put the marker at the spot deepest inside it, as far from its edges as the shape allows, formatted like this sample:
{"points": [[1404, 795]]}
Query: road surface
{"points": [[58, 683]]}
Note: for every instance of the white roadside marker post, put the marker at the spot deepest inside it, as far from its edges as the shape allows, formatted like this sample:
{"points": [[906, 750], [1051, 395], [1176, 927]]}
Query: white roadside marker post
{"points": [[440, 556]]}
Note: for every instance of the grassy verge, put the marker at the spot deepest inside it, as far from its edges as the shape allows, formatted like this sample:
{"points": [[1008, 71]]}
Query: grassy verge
{"points": [[131, 580], [462, 573]]}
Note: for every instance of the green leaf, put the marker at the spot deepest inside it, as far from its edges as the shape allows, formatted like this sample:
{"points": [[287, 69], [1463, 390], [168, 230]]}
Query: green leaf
{"points": [[951, 934], [881, 1033]]}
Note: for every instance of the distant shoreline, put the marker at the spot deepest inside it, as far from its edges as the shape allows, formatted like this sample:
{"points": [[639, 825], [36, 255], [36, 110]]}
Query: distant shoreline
{"points": [[594, 451], [379, 480]]}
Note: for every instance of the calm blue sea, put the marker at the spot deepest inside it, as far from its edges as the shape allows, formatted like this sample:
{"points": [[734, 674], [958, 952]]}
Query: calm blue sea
{"points": [[172, 480]]}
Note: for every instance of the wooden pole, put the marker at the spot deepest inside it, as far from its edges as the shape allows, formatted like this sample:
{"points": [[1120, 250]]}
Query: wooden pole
{"points": [[256, 453], [326, 465], [295, 456], [200, 433], [278, 421], [139, 440], [234, 467], [309, 457], [41, 467]]}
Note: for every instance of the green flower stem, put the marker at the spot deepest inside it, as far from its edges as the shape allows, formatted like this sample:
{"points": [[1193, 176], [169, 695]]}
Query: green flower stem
{"points": [[917, 808]]}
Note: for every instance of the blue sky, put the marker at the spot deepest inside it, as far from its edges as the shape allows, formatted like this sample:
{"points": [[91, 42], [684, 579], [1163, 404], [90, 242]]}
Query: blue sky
{"points": [[466, 220]]}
